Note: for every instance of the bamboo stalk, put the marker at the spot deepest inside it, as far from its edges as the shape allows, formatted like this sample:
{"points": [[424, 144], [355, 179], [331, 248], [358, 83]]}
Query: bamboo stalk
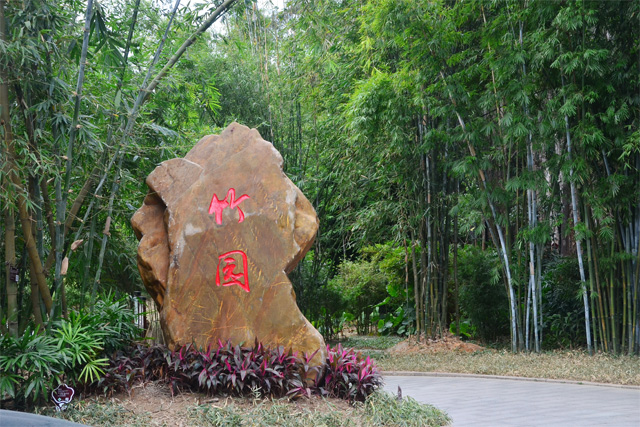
{"points": [[598, 315], [10, 261], [73, 212], [455, 265], [416, 286], [630, 290], [105, 234], [62, 196], [7, 212], [10, 155], [623, 324], [88, 255], [87, 186], [44, 192], [576, 221], [35, 297], [601, 301], [612, 305], [503, 249], [532, 216]]}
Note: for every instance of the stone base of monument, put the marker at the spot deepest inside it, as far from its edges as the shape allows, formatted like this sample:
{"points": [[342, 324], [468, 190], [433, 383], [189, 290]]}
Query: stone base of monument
{"points": [[219, 231]]}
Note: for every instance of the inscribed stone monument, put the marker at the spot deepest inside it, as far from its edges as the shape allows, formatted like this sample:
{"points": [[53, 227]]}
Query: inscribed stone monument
{"points": [[219, 231]]}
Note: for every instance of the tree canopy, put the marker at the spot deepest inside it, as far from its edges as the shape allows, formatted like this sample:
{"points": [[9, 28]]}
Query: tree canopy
{"points": [[430, 136]]}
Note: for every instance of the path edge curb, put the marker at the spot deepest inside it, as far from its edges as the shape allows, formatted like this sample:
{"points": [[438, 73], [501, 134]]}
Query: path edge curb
{"points": [[501, 377]]}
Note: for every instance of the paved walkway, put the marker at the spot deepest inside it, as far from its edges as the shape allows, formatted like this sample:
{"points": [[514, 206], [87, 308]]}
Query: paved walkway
{"points": [[486, 401]]}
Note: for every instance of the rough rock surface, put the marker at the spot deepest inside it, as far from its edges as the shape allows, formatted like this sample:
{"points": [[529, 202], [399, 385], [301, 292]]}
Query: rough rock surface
{"points": [[218, 232]]}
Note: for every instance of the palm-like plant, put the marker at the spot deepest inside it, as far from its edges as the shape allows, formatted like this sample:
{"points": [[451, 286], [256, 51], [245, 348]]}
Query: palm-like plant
{"points": [[29, 365]]}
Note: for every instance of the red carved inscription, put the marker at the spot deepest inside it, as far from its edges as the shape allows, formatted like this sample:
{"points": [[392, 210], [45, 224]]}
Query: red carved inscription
{"points": [[217, 206], [227, 264]]}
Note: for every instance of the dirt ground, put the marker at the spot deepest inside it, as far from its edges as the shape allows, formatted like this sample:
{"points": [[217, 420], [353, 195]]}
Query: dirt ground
{"points": [[154, 402], [424, 346]]}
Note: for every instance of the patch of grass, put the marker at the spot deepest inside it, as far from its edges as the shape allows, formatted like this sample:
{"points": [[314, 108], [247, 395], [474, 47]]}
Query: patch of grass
{"points": [[566, 365], [381, 342], [375, 354], [383, 409], [380, 409], [266, 414], [96, 414]]}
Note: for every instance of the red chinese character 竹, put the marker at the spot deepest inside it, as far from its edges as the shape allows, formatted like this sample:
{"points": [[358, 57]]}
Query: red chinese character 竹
{"points": [[227, 263], [217, 205]]}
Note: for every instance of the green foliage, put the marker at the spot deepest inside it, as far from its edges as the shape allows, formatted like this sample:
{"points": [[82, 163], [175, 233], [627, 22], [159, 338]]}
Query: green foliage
{"points": [[561, 304], [400, 322], [320, 303], [362, 285], [81, 337], [373, 290], [386, 114], [467, 330], [30, 365], [117, 319], [482, 297], [72, 351]]}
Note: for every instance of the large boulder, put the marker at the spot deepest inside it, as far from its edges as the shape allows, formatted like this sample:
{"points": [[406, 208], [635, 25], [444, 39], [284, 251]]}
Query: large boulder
{"points": [[219, 231]]}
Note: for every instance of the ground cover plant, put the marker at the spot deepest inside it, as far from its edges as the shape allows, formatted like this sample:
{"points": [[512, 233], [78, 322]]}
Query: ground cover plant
{"points": [[240, 371], [152, 404]]}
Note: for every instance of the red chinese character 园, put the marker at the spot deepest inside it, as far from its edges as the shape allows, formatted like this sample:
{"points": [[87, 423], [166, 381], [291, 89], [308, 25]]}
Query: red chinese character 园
{"points": [[217, 205], [227, 263]]}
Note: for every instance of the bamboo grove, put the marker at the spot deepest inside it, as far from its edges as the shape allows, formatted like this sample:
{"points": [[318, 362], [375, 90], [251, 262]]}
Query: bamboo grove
{"points": [[505, 119], [439, 126], [55, 147]]}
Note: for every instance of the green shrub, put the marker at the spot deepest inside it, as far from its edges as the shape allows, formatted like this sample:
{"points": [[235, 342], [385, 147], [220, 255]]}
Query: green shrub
{"points": [[81, 339], [362, 286], [562, 306], [118, 320], [320, 303], [483, 299], [30, 365], [73, 351], [374, 291]]}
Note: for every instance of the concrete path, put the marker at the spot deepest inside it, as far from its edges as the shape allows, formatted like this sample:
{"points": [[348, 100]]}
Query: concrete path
{"points": [[493, 402]]}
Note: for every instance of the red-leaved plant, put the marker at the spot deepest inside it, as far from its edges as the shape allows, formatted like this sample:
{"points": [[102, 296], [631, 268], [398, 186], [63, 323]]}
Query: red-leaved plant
{"points": [[241, 371], [348, 375]]}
